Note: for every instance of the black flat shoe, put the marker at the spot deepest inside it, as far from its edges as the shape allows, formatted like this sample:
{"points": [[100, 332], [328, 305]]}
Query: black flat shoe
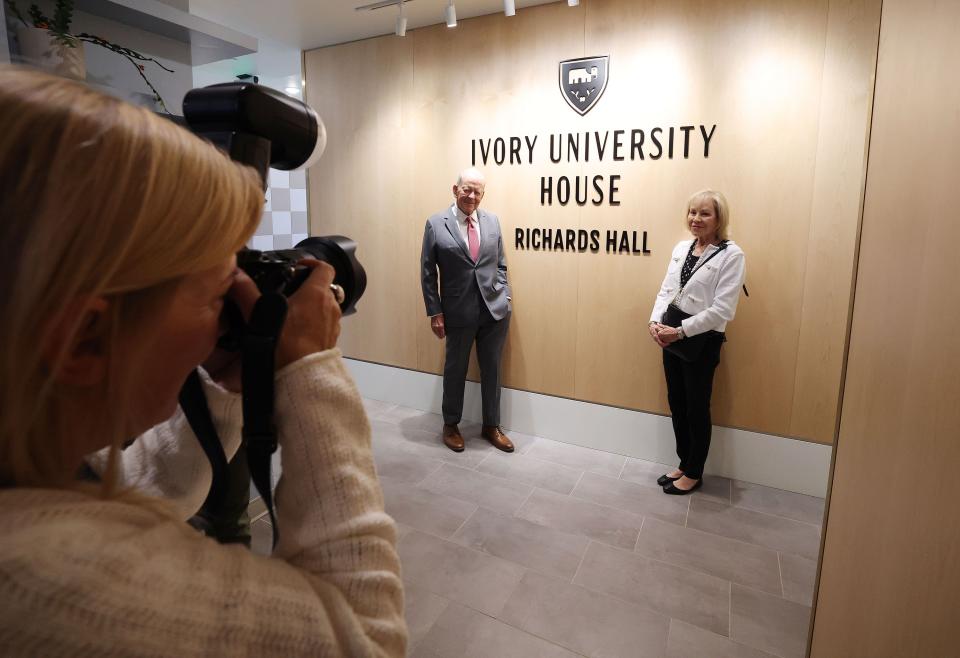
{"points": [[673, 491], [664, 480]]}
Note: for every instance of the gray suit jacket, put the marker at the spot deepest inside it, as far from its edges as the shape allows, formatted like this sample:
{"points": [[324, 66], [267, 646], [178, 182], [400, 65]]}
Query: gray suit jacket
{"points": [[445, 251]]}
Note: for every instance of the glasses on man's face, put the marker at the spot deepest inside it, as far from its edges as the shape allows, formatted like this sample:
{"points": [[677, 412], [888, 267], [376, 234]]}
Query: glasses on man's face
{"points": [[467, 191]]}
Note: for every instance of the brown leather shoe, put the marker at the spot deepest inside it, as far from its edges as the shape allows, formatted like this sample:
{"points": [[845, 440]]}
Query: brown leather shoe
{"points": [[452, 437], [499, 440]]}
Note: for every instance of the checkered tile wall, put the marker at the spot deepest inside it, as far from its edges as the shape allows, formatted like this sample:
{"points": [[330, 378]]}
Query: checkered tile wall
{"points": [[284, 222]]}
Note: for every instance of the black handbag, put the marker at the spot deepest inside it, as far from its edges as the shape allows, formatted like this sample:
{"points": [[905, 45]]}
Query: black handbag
{"points": [[690, 348]]}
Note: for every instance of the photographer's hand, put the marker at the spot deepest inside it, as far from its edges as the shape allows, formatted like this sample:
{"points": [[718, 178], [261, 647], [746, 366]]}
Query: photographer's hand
{"points": [[313, 316], [223, 366], [436, 325]]}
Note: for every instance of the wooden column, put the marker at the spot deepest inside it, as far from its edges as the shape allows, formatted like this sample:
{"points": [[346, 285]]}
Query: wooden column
{"points": [[890, 571]]}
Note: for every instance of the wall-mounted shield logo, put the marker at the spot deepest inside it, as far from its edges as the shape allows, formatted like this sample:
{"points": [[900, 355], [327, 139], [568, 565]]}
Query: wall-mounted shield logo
{"points": [[583, 80]]}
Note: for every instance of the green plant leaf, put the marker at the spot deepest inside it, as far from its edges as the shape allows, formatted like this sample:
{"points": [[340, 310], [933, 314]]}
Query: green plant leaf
{"points": [[62, 16]]}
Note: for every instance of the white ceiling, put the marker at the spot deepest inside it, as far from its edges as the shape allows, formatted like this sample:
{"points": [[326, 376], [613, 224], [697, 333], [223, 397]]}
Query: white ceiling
{"points": [[306, 24]]}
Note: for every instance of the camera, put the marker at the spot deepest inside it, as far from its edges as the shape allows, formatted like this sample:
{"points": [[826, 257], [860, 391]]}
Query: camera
{"points": [[277, 271], [264, 128]]}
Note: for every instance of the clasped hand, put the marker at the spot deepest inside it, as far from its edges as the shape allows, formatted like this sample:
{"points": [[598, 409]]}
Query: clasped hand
{"points": [[312, 323], [662, 334]]}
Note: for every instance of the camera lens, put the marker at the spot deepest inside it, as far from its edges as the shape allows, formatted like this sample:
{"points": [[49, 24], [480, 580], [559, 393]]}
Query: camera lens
{"points": [[277, 271], [341, 253]]}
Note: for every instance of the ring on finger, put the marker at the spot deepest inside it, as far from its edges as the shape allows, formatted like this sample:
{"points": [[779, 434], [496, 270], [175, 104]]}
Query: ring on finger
{"points": [[338, 293]]}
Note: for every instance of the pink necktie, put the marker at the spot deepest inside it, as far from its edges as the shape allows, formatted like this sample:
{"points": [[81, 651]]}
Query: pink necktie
{"points": [[473, 239]]}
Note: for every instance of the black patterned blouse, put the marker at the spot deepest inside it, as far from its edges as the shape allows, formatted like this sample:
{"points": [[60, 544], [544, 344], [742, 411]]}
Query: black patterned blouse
{"points": [[688, 265]]}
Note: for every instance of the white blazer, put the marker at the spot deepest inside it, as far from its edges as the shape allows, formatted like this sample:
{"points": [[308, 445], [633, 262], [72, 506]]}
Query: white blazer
{"points": [[711, 294]]}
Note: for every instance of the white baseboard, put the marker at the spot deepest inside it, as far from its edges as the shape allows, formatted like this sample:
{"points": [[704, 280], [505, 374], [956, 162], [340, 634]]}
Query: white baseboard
{"points": [[773, 461]]}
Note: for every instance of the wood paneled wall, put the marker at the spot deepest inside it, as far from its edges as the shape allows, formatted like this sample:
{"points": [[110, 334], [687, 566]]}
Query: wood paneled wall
{"points": [[890, 571], [788, 85]]}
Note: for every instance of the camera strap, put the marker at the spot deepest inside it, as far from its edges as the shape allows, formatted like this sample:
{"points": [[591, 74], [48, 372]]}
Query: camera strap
{"points": [[258, 353], [194, 405]]}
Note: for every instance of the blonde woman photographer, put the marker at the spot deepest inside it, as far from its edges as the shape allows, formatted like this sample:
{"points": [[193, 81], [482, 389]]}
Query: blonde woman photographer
{"points": [[119, 232]]}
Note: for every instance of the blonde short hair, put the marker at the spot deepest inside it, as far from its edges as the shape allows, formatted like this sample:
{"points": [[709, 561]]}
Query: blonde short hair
{"points": [[720, 207], [99, 198]]}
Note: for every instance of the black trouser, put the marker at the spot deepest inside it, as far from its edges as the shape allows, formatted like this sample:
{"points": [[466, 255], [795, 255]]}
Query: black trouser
{"points": [[689, 386], [229, 522]]}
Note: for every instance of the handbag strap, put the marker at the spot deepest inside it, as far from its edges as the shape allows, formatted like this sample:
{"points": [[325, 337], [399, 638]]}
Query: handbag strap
{"points": [[720, 247]]}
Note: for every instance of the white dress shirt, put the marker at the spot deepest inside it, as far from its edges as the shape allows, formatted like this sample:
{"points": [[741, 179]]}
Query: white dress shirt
{"points": [[462, 223]]}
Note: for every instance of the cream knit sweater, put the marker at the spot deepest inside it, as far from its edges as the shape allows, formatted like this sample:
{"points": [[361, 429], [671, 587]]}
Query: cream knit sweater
{"points": [[83, 576]]}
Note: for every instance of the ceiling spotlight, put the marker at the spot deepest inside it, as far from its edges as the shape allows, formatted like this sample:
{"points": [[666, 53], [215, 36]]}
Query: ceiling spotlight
{"points": [[379, 5], [509, 8], [573, 3], [401, 29], [450, 15]]}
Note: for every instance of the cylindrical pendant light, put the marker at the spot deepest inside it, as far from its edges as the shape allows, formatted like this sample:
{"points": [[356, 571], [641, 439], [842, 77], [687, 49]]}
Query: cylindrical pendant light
{"points": [[450, 14], [573, 3], [401, 22], [509, 8]]}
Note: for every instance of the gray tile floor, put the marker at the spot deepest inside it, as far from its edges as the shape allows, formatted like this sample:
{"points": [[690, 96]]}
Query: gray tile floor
{"points": [[558, 550]]}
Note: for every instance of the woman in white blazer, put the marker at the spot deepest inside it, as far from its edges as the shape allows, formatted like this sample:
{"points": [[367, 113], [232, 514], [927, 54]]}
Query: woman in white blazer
{"points": [[697, 299]]}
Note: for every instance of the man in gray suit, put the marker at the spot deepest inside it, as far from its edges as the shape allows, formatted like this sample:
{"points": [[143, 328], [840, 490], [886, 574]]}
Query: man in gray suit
{"points": [[472, 303]]}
